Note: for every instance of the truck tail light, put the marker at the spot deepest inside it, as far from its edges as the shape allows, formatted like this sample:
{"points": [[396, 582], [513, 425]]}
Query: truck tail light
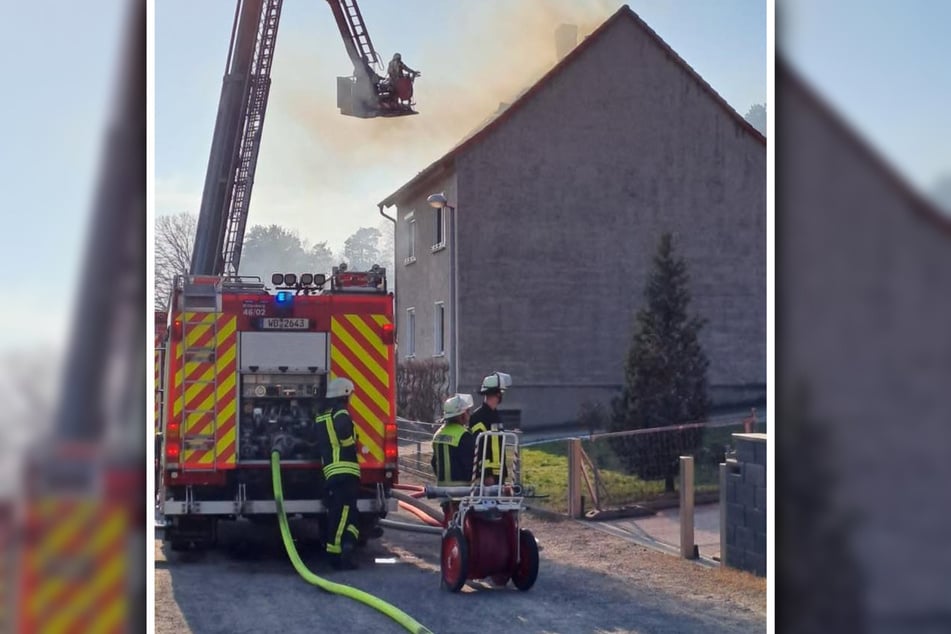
{"points": [[173, 450], [177, 330], [388, 334], [391, 450]]}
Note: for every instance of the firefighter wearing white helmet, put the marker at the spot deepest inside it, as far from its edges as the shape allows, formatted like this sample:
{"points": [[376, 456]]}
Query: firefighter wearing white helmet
{"points": [[487, 417], [453, 444], [337, 442]]}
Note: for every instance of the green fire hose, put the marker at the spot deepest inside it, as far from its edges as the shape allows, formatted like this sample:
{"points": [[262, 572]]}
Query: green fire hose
{"points": [[376, 603]]}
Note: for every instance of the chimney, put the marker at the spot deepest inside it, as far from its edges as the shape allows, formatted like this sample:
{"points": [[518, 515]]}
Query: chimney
{"points": [[566, 38]]}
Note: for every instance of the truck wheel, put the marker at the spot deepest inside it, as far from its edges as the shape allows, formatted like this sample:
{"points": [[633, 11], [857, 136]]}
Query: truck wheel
{"points": [[454, 562], [526, 570]]}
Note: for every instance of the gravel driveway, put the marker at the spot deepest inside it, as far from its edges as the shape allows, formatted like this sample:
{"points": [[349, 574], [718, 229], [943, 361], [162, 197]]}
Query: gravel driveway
{"points": [[588, 582]]}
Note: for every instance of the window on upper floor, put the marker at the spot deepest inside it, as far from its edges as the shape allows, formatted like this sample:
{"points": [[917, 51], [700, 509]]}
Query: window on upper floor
{"points": [[439, 228], [410, 255], [439, 329]]}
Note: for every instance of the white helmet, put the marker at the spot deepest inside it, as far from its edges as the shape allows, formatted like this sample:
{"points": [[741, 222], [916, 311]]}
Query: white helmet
{"points": [[496, 382], [339, 387], [456, 405]]}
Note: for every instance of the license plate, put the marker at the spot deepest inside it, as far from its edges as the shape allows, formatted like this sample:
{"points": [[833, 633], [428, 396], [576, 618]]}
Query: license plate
{"points": [[285, 323]]}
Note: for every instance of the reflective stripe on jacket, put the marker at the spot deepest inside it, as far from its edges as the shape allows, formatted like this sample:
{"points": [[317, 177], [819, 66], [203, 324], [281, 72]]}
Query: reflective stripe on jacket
{"points": [[338, 444]]}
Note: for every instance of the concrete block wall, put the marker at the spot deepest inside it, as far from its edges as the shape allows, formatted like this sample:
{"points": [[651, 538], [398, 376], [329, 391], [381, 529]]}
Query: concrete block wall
{"points": [[745, 501]]}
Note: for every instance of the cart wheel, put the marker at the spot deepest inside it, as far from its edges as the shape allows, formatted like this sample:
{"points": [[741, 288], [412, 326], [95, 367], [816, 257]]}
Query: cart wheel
{"points": [[526, 571], [454, 562]]}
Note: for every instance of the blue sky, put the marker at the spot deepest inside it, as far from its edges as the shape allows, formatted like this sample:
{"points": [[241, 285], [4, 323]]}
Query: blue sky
{"points": [[323, 173], [884, 65], [60, 62]]}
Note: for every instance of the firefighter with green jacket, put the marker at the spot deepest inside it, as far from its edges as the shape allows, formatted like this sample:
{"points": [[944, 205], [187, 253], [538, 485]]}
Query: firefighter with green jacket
{"points": [[337, 441], [453, 449], [453, 444]]}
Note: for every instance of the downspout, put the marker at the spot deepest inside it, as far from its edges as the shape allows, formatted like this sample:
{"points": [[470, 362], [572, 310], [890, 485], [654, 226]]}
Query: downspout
{"points": [[384, 214], [393, 220]]}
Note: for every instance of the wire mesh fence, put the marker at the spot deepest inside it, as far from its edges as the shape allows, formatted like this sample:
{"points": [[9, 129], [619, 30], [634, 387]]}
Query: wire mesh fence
{"points": [[415, 450], [631, 468], [618, 470]]}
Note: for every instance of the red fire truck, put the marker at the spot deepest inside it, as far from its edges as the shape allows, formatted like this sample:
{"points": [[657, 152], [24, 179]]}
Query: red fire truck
{"points": [[245, 371]]}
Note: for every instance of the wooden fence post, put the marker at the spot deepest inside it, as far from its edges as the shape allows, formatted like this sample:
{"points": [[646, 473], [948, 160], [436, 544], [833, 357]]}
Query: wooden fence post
{"points": [[574, 478], [686, 508]]}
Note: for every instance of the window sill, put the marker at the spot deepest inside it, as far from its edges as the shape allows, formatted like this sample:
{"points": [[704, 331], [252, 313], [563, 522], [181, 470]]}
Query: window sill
{"points": [[439, 354], [438, 247], [409, 260]]}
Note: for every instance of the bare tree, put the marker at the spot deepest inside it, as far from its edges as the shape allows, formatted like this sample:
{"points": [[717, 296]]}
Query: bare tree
{"points": [[387, 247], [174, 238]]}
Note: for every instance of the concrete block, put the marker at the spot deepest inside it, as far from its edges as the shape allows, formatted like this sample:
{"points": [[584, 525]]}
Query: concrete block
{"points": [[755, 563], [759, 539], [760, 453], [754, 474], [744, 538], [736, 557], [731, 535], [730, 490], [755, 520], [746, 495], [760, 498]]}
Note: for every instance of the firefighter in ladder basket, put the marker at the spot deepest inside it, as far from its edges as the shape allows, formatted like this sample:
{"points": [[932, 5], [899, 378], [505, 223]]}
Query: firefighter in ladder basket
{"points": [[338, 453]]}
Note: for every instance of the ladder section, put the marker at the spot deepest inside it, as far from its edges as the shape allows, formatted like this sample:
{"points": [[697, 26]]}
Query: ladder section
{"points": [[260, 86], [199, 422], [359, 34]]}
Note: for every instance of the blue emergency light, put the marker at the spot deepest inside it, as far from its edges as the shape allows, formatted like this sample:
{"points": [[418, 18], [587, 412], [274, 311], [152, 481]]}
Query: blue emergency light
{"points": [[283, 297]]}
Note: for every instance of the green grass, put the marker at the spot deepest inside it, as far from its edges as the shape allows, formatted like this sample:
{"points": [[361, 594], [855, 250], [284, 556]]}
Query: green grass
{"points": [[545, 467]]}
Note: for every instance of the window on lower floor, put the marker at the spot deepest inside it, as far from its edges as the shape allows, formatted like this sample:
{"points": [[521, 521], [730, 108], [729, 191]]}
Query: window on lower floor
{"points": [[410, 332]]}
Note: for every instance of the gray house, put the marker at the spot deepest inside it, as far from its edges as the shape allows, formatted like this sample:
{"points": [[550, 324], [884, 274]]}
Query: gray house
{"points": [[863, 278], [559, 202]]}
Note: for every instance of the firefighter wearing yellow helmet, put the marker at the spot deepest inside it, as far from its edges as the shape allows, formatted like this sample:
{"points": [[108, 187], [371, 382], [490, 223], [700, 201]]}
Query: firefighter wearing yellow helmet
{"points": [[487, 417], [337, 441]]}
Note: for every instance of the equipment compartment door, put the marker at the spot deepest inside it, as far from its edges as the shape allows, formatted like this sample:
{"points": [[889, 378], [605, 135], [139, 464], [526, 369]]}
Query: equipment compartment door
{"points": [[283, 351]]}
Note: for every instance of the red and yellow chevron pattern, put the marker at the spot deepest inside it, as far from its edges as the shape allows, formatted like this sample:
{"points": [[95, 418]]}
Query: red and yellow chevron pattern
{"points": [[74, 567], [207, 442], [358, 353]]}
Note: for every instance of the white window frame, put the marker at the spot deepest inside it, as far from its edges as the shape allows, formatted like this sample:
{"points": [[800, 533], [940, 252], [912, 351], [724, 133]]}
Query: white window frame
{"points": [[411, 329], [439, 329], [439, 227], [411, 240]]}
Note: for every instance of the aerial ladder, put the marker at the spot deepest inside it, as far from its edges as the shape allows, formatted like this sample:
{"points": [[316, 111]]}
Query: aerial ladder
{"points": [[82, 516], [242, 370], [240, 120]]}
